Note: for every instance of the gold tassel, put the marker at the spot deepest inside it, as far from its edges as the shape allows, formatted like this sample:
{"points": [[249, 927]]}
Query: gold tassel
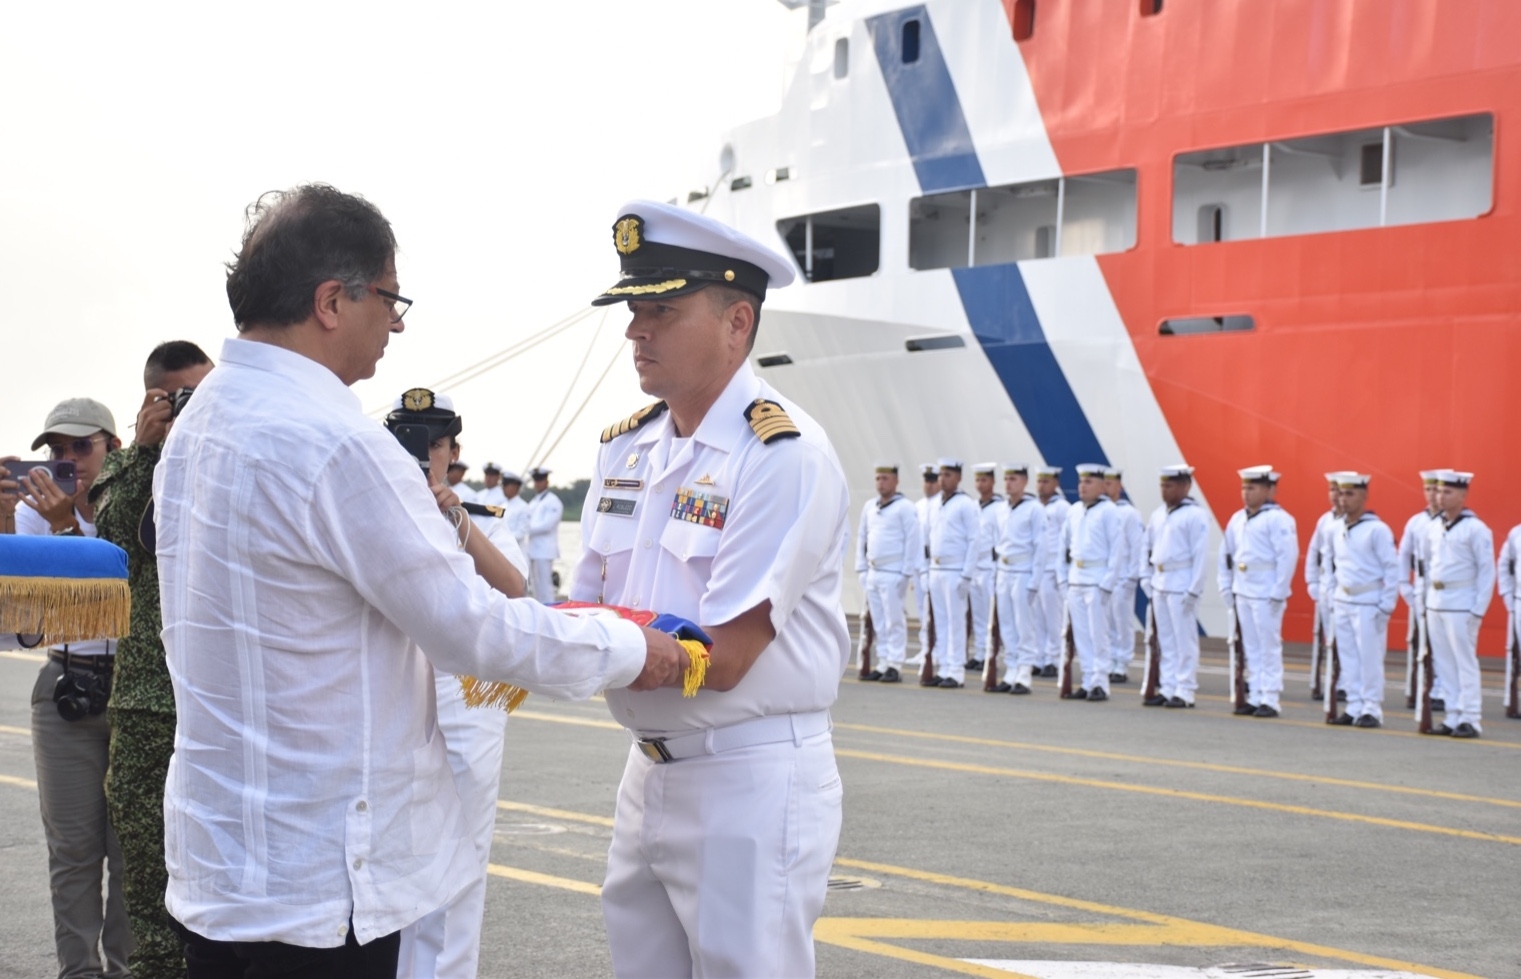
{"points": [[490, 693], [66, 609], [697, 669]]}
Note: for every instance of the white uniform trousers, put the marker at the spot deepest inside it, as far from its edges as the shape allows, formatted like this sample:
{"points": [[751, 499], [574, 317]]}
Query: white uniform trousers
{"points": [[1362, 637], [948, 591], [1438, 692], [981, 596], [719, 863], [922, 604], [1262, 641], [1048, 615], [541, 582], [1088, 606], [1017, 611], [447, 942], [1122, 626], [885, 591], [1455, 652], [1178, 637]]}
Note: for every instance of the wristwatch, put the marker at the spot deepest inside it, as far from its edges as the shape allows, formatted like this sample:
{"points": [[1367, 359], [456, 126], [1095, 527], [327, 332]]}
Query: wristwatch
{"points": [[68, 532]]}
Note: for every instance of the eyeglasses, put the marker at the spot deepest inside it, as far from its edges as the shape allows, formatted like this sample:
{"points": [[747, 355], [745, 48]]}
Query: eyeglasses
{"points": [[80, 448], [399, 304]]}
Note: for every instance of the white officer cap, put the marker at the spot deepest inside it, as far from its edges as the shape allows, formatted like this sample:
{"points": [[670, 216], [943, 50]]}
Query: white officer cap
{"points": [[1258, 474], [985, 469], [1351, 480], [665, 250], [886, 468], [946, 462], [459, 464], [508, 476], [539, 472], [1021, 468], [929, 470], [1452, 477], [1177, 471], [1092, 469], [420, 400], [1050, 471]]}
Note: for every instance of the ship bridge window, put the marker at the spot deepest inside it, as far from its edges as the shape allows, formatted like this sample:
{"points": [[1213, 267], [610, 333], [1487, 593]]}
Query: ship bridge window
{"points": [[910, 41], [1090, 214], [1193, 326], [1338, 181], [843, 244]]}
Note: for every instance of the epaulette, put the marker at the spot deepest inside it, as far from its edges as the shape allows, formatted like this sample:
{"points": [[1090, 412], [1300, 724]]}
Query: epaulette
{"points": [[633, 421], [484, 510], [770, 421]]}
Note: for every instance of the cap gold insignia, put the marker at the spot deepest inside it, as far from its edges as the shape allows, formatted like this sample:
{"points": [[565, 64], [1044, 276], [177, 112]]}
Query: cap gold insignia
{"points": [[728, 275], [632, 422], [628, 234], [417, 399], [770, 421]]}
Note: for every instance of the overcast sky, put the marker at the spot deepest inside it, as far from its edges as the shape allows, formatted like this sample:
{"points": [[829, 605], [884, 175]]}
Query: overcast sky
{"points": [[499, 139]]}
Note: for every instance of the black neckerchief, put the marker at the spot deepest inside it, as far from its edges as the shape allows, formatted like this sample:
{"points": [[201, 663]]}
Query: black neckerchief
{"points": [[890, 501], [1262, 509], [1187, 501], [991, 500], [1461, 517]]}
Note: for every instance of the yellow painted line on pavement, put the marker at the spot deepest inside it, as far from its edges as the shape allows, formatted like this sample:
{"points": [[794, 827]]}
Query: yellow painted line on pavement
{"points": [[1178, 794], [24, 657], [1176, 763], [543, 880], [19, 731], [535, 715], [546, 812], [20, 783]]}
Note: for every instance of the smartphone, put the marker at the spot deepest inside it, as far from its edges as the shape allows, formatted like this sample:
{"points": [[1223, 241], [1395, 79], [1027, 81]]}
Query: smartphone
{"points": [[62, 470], [414, 438]]}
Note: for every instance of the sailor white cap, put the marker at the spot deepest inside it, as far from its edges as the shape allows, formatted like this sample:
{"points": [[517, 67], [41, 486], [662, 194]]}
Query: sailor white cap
{"points": [[1050, 471], [1258, 474], [1113, 472], [1431, 477], [1334, 479], [929, 470], [946, 462], [886, 468], [491, 467], [459, 464], [1351, 480], [1021, 468], [539, 472], [985, 469], [1177, 471], [1452, 477], [1092, 469], [508, 476]]}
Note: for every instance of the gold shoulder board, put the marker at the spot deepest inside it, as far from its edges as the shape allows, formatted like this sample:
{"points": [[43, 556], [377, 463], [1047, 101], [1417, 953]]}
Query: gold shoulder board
{"points": [[647, 413], [770, 421]]}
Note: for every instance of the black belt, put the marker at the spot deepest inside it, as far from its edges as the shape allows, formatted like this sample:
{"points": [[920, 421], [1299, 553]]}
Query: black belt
{"points": [[97, 664]]}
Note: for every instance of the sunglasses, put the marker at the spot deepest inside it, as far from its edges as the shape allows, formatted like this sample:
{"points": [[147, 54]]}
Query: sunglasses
{"points": [[80, 448]]}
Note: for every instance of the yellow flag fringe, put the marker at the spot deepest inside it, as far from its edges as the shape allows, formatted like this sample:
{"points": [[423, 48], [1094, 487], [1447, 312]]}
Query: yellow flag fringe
{"points": [[491, 693], [66, 609]]}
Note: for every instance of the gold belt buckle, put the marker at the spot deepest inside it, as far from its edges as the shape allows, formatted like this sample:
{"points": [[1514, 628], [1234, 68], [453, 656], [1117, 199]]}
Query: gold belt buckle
{"points": [[654, 749], [1438, 585]]}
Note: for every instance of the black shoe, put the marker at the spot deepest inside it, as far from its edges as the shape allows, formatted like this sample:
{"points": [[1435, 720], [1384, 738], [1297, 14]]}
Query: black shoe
{"points": [[1246, 709], [1155, 701], [1048, 671], [933, 681], [950, 683], [1442, 729], [1000, 688], [1437, 703], [873, 675], [1265, 711], [890, 675], [1019, 688], [1465, 730], [1098, 694], [1119, 678], [1368, 720], [1178, 702], [1342, 720], [1341, 696], [973, 664], [1079, 694]]}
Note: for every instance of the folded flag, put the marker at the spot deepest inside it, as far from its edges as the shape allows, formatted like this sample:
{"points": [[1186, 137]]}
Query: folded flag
{"points": [[697, 643], [63, 589]]}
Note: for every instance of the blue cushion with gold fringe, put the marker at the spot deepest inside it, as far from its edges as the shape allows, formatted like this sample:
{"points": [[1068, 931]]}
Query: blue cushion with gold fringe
{"points": [[65, 589]]}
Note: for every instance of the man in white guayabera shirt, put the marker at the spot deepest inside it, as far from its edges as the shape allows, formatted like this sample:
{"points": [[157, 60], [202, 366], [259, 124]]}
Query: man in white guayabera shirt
{"points": [[310, 811]]}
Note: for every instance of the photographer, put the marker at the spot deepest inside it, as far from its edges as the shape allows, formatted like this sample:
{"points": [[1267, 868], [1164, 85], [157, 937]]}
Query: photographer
{"points": [[142, 698], [70, 729]]}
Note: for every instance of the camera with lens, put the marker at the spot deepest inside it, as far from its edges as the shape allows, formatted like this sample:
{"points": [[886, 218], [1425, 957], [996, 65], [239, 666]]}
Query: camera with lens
{"points": [[81, 695], [178, 400]]}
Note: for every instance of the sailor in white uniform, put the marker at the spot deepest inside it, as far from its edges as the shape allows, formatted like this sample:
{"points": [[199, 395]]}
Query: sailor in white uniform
{"points": [[1318, 578], [925, 508], [1412, 556], [1505, 577], [491, 493], [1122, 606], [1020, 553], [1052, 579], [954, 535], [516, 508], [1177, 551], [888, 553], [725, 504], [456, 479], [544, 513], [1367, 582], [1460, 582], [1093, 551], [1256, 576], [980, 595]]}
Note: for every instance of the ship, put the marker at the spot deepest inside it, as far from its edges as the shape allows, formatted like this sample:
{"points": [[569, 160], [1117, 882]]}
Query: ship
{"points": [[1145, 232]]}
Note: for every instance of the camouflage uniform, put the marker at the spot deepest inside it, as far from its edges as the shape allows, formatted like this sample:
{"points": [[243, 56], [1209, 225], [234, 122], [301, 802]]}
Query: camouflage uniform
{"points": [[142, 718]]}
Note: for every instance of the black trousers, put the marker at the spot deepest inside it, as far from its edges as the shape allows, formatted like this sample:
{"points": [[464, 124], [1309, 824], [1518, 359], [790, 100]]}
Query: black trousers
{"points": [[208, 959]]}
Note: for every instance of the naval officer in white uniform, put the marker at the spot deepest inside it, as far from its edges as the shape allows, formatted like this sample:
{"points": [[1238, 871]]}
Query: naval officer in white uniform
{"points": [[544, 513], [1256, 576], [1093, 549], [1020, 552], [1460, 582], [1177, 553], [1053, 580], [725, 504], [953, 562], [888, 553], [1367, 583]]}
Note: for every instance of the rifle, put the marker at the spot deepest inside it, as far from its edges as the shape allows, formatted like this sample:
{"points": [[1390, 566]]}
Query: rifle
{"points": [[1332, 680], [1069, 652], [1424, 675], [1412, 656], [927, 671], [1512, 668], [995, 643], [868, 636], [1152, 676], [1317, 653], [1235, 655]]}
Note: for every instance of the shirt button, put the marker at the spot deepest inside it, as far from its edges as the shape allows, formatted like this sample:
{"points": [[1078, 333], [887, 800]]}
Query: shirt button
{"points": [[358, 863], [362, 806], [647, 544], [657, 487], [635, 602], [343, 930]]}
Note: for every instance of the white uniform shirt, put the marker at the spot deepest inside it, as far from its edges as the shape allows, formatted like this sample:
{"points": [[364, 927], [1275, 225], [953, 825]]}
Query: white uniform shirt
{"points": [[1258, 555], [517, 520], [1021, 543], [720, 523], [1055, 510], [464, 491], [1134, 564], [544, 513], [298, 550], [954, 535], [1460, 567], [1318, 579], [1505, 567], [1177, 547], [29, 521], [889, 537], [1093, 545], [491, 496], [987, 530], [1412, 556], [1367, 567]]}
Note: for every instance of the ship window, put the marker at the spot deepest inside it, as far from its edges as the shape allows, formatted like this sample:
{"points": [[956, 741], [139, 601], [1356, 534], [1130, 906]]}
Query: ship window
{"points": [[1024, 19], [910, 41], [843, 244], [1337, 181], [774, 360], [1045, 241], [1192, 326], [1150, 8], [1211, 223], [938, 230], [842, 57], [947, 342]]}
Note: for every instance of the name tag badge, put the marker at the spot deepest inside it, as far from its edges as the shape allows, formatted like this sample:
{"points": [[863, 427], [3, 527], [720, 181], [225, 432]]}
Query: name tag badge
{"points": [[622, 508], [700, 508], [622, 484]]}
